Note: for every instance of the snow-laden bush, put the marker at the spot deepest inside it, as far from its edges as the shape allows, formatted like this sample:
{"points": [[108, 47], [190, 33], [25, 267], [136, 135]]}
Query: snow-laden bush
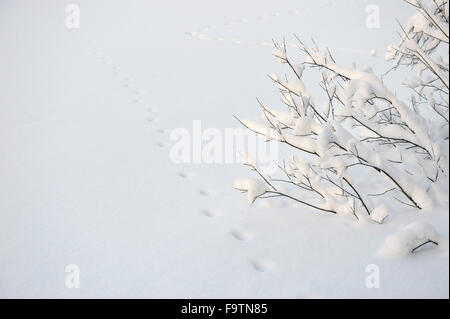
{"points": [[362, 127], [409, 239]]}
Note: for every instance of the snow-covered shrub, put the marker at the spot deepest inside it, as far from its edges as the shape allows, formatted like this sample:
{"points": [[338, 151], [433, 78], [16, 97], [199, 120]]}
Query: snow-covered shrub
{"points": [[361, 127], [409, 240]]}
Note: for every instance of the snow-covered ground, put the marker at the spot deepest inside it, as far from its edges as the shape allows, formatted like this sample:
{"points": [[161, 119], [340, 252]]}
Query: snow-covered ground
{"points": [[85, 119]]}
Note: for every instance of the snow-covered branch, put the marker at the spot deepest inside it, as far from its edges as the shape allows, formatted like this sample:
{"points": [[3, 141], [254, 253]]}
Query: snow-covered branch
{"points": [[362, 127]]}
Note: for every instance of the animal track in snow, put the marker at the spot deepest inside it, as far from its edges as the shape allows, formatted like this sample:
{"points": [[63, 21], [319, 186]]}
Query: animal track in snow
{"points": [[129, 83], [243, 234], [212, 212], [262, 264], [201, 33], [187, 175], [207, 191]]}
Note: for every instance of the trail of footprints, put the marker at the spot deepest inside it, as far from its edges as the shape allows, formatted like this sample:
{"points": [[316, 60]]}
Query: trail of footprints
{"points": [[202, 33], [240, 234], [138, 97], [129, 84]]}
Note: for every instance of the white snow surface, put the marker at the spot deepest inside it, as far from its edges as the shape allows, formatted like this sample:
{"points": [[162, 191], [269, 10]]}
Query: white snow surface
{"points": [[85, 118]]}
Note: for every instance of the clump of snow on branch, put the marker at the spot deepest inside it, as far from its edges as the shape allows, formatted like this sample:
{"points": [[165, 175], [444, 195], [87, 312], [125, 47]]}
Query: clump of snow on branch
{"points": [[380, 213], [361, 127], [253, 187], [409, 240]]}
